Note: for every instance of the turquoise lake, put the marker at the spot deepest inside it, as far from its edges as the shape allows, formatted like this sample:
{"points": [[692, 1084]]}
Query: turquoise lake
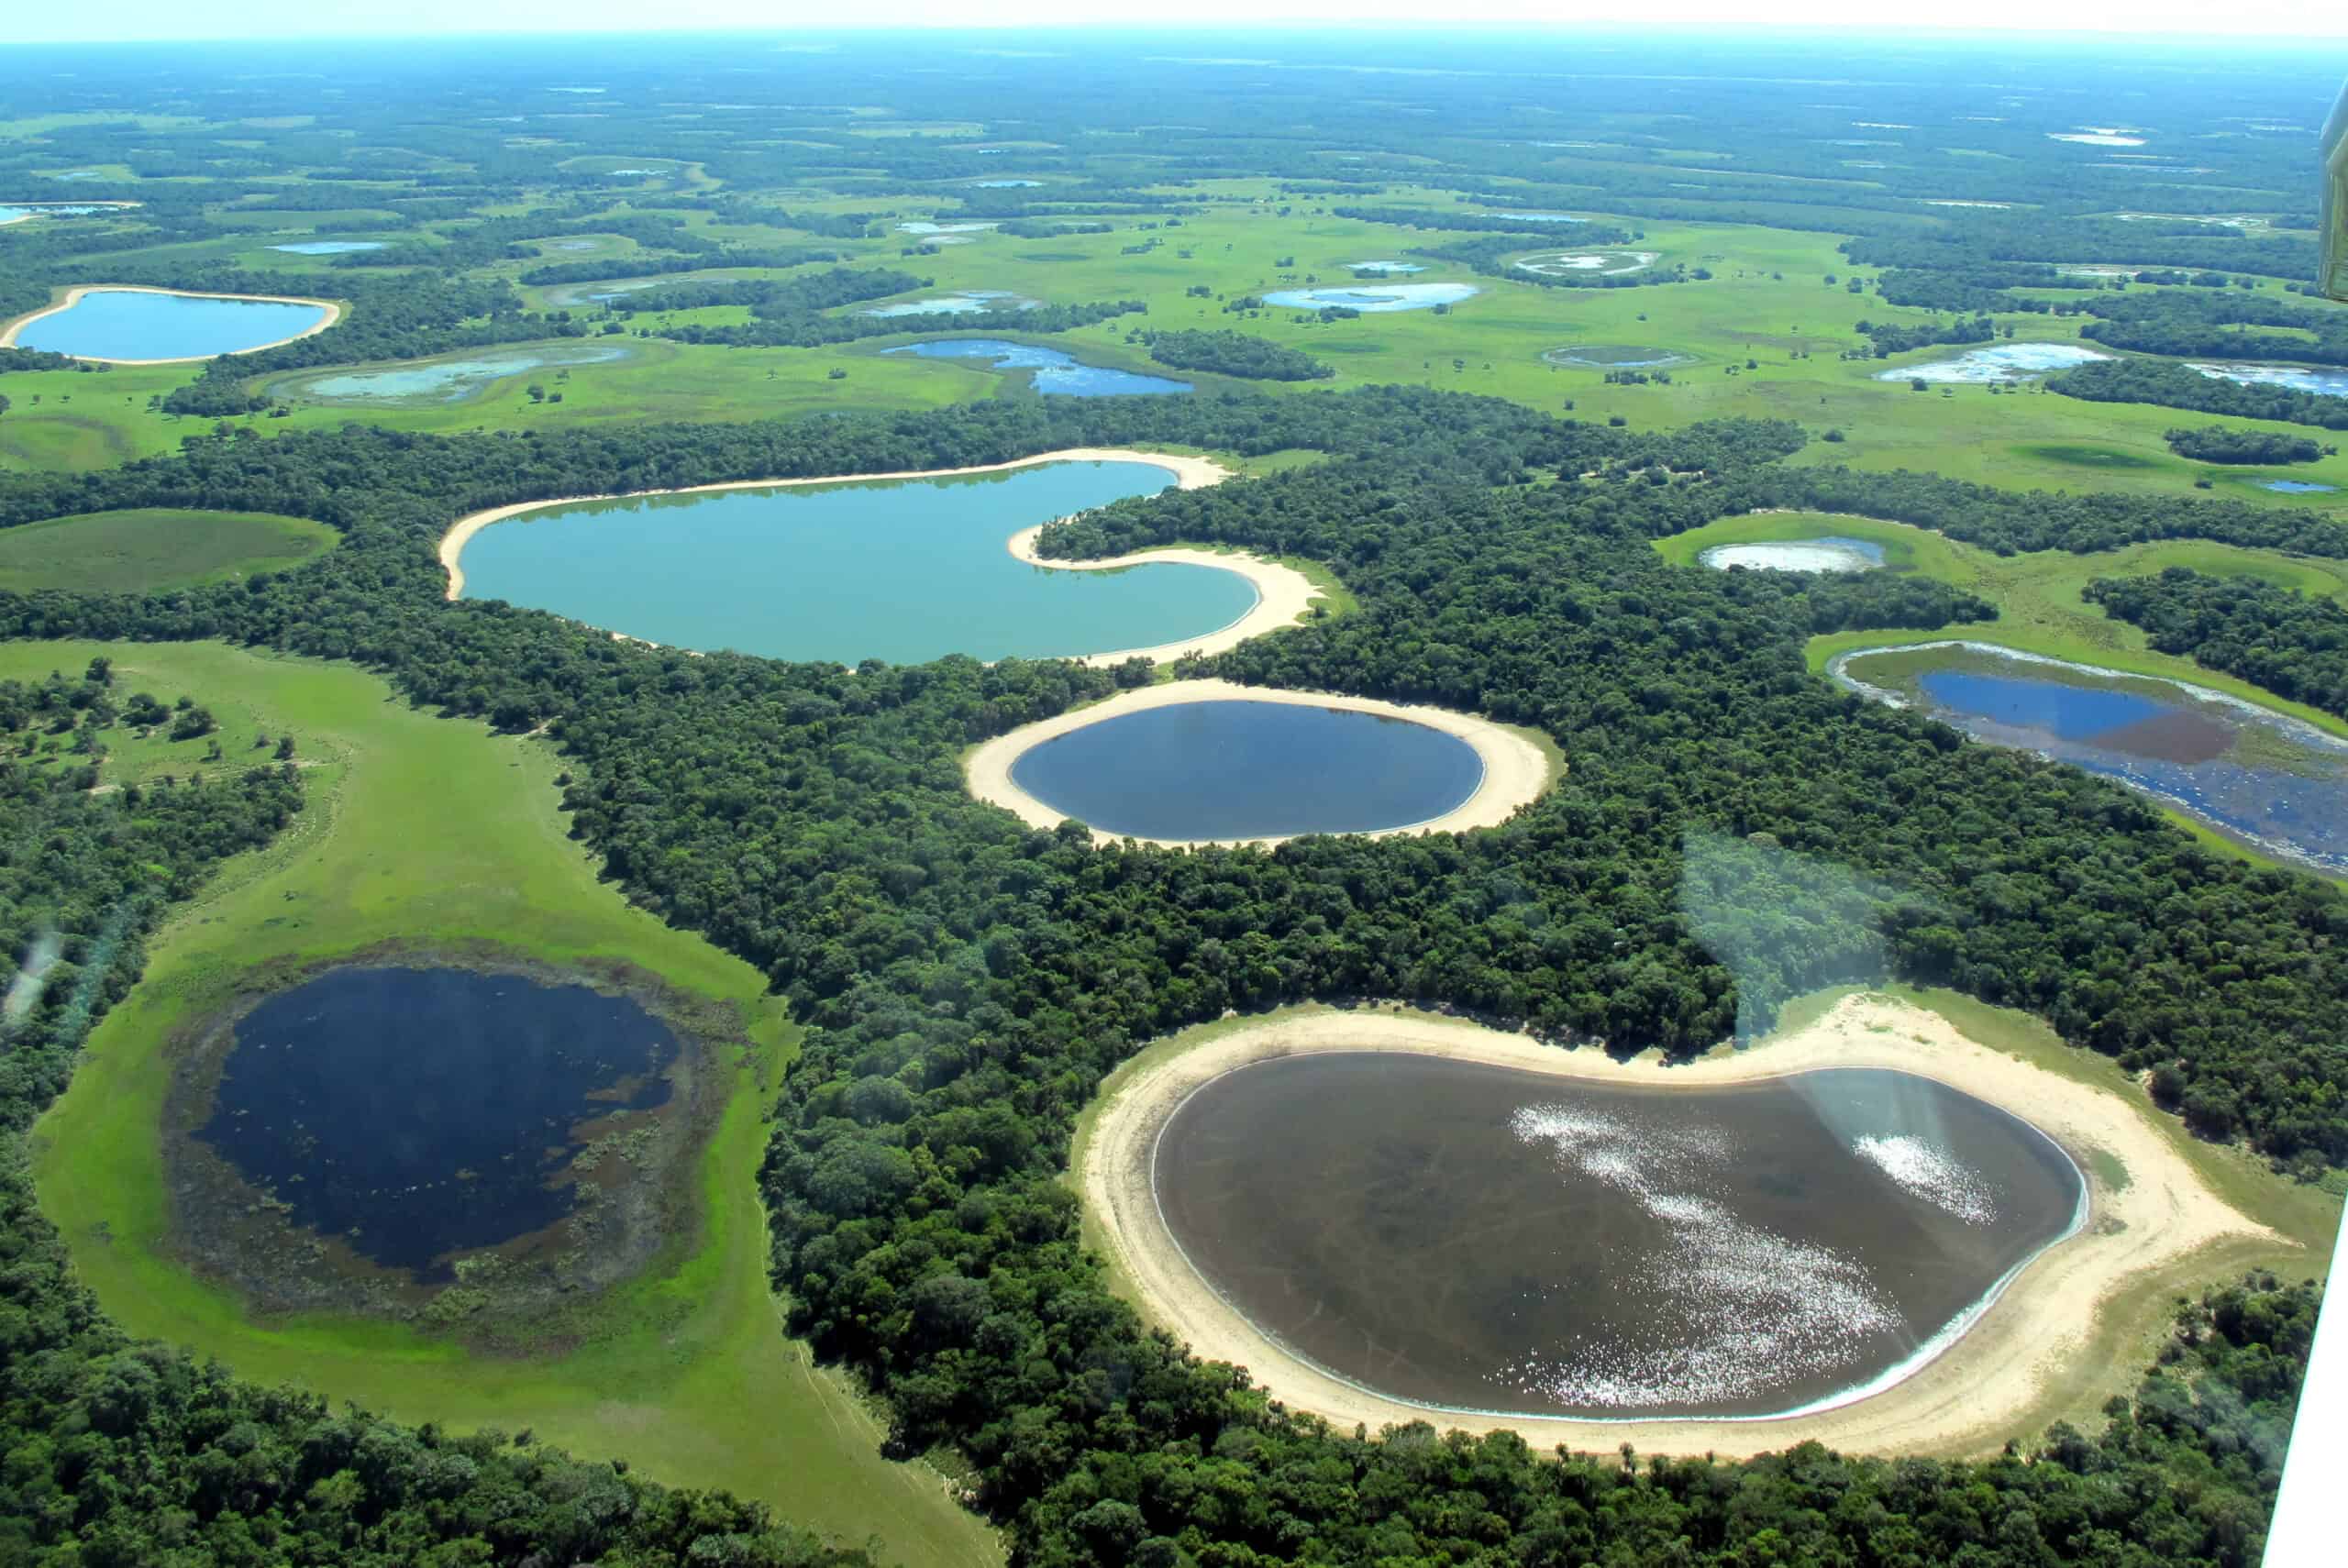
{"points": [[904, 571], [1236, 769], [126, 323]]}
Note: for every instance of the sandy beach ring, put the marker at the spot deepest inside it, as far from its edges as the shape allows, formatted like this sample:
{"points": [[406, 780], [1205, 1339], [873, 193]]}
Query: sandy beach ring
{"points": [[335, 310], [1515, 769], [1282, 593], [1975, 1394]]}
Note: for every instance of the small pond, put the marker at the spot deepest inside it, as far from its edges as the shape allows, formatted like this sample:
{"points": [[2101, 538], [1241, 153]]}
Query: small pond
{"points": [[443, 381], [134, 325], [18, 213], [1617, 357], [1831, 552], [1382, 269], [1481, 1238], [1240, 769], [1049, 371], [2259, 776], [2297, 487], [1536, 217], [1605, 263], [1376, 300], [905, 570], [420, 1113], [2298, 378], [923, 225], [329, 246], [963, 302], [1008, 184], [2005, 362]]}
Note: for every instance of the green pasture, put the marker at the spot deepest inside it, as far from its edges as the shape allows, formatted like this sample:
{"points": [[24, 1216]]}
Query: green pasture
{"points": [[1766, 330], [150, 548], [426, 830]]}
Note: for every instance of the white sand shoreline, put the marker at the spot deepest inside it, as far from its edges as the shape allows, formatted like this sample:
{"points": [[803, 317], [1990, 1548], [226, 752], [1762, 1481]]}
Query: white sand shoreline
{"points": [[1189, 474], [1283, 594], [1515, 770], [335, 310], [1971, 1397]]}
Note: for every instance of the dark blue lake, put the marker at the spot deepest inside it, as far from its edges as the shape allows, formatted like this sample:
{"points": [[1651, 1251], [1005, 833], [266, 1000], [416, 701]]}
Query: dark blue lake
{"points": [[1240, 769], [416, 1113], [1051, 371], [2274, 780], [2068, 712]]}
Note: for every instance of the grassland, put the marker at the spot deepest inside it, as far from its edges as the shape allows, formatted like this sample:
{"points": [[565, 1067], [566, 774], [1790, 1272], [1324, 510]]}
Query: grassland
{"points": [[148, 549], [1768, 303], [425, 830]]}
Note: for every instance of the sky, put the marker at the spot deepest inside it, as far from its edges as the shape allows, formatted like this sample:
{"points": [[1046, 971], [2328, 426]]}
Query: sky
{"points": [[175, 19]]}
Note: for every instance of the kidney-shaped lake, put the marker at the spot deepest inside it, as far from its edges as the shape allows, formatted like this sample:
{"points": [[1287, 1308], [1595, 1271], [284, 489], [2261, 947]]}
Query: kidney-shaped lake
{"points": [[1474, 1237], [903, 572]]}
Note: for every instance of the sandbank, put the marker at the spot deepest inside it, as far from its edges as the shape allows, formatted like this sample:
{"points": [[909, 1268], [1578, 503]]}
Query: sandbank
{"points": [[1975, 1394], [1282, 596], [1515, 769], [1189, 474], [334, 309]]}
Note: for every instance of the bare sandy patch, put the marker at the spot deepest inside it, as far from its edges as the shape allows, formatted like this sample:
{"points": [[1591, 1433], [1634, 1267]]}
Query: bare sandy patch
{"points": [[1189, 474], [72, 296], [1975, 1394], [1515, 769]]}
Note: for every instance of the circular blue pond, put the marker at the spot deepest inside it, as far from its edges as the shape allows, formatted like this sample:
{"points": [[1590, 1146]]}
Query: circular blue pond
{"points": [[1050, 372], [420, 1113], [1241, 769], [137, 324], [901, 571]]}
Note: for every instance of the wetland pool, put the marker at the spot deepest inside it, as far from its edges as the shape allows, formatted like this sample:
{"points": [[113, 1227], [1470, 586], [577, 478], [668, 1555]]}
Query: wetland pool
{"points": [[2297, 377], [2274, 781], [1049, 371], [2004, 362], [963, 302], [1831, 552], [1227, 770], [1616, 357], [329, 246], [1480, 1238], [132, 325], [408, 1116], [900, 570], [441, 380], [1376, 300]]}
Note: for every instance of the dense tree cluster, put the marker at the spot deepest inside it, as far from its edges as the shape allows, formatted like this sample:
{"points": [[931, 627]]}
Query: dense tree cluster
{"points": [[2294, 645], [2225, 444], [1489, 223], [2181, 386], [2200, 322], [1235, 354], [1889, 337]]}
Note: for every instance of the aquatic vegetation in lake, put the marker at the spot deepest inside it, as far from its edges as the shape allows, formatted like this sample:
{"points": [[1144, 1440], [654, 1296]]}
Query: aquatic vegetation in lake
{"points": [[2000, 362]]}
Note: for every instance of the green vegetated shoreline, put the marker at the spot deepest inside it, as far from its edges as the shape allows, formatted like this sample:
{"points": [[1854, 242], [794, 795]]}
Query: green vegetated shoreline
{"points": [[875, 1137]]}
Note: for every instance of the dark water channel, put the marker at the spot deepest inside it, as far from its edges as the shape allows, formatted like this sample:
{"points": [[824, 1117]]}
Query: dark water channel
{"points": [[1236, 769], [418, 1113], [1484, 1238]]}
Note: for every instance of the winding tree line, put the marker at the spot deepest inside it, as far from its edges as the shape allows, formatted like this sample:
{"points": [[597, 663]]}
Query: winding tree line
{"points": [[2181, 386], [969, 981], [2292, 644]]}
